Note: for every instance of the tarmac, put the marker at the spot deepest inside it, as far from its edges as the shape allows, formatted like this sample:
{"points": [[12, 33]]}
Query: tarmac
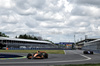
{"points": [[70, 57]]}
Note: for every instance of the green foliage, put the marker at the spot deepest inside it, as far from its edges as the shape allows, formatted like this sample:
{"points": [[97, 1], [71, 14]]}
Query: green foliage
{"points": [[49, 41], [25, 36], [3, 35]]}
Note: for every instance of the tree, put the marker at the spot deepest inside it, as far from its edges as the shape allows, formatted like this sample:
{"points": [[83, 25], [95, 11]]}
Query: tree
{"points": [[25, 36], [39, 38], [16, 37], [35, 38], [3, 35], [49, 41]]}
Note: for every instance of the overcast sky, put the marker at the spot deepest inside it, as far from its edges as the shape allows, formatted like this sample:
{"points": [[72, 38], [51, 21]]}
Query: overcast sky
{"points": [[55, 20]]}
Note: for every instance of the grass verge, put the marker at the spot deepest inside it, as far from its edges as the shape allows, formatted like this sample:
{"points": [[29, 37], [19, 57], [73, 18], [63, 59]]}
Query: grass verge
{"points": [[31, 51], [80, 65]]}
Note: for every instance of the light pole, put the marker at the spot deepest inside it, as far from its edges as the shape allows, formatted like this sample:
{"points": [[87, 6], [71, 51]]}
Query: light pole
{"points": [[74, 41]]}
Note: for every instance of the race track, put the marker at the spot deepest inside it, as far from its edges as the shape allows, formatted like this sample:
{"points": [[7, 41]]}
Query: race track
{"points": [[70, 57]]}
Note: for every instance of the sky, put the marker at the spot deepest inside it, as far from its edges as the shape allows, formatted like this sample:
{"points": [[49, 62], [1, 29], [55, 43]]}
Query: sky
{"points": [[55, 20]]}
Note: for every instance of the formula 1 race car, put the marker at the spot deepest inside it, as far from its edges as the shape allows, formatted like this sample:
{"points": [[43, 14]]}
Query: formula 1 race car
{"points": [[38, 55], [87, 52]]}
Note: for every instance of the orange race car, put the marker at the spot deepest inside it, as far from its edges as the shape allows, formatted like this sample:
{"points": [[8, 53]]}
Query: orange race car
{"points": [[37, 55]]}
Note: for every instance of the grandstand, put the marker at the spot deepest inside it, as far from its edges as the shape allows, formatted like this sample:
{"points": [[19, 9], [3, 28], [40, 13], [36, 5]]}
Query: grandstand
{"points": [[92, 45], [14, 43], [81, 43]]}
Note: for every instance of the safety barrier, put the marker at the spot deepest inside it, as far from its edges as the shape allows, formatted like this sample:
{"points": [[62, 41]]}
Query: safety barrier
{"points": [[96, 51], [37, 49]]}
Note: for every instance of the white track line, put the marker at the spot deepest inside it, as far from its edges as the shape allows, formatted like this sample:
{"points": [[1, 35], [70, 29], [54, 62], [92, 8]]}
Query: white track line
{"points": [[87, 58], [44, 62], [65, 52]]}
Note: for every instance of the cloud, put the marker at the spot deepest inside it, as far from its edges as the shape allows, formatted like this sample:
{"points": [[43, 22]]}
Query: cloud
{"points": [[8, 19], [28, 7], [56, 20], [32, 24], [6, 4], [85, 2]]}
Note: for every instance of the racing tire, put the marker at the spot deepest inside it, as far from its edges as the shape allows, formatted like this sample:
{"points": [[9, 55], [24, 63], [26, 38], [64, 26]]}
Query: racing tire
{"points": [[91, 52], [84, 52], [29, 56], [45, 55]]}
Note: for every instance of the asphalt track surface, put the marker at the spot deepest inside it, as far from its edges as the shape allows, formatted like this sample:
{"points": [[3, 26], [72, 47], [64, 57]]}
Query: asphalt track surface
{"points": [[70, 57]]}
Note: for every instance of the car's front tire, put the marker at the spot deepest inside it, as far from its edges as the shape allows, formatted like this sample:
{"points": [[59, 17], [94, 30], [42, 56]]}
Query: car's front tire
{"points": [[29, 56]]}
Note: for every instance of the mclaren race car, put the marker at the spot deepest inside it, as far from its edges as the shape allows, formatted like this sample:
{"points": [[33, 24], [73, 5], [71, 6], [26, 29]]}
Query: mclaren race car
{"points": [[38, 55], [87, 52]]}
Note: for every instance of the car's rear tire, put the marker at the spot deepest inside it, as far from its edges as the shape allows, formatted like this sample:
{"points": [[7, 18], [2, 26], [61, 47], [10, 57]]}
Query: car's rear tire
{"points": [[29, 56], [84, 52], [91, 52], [45, 55]]}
